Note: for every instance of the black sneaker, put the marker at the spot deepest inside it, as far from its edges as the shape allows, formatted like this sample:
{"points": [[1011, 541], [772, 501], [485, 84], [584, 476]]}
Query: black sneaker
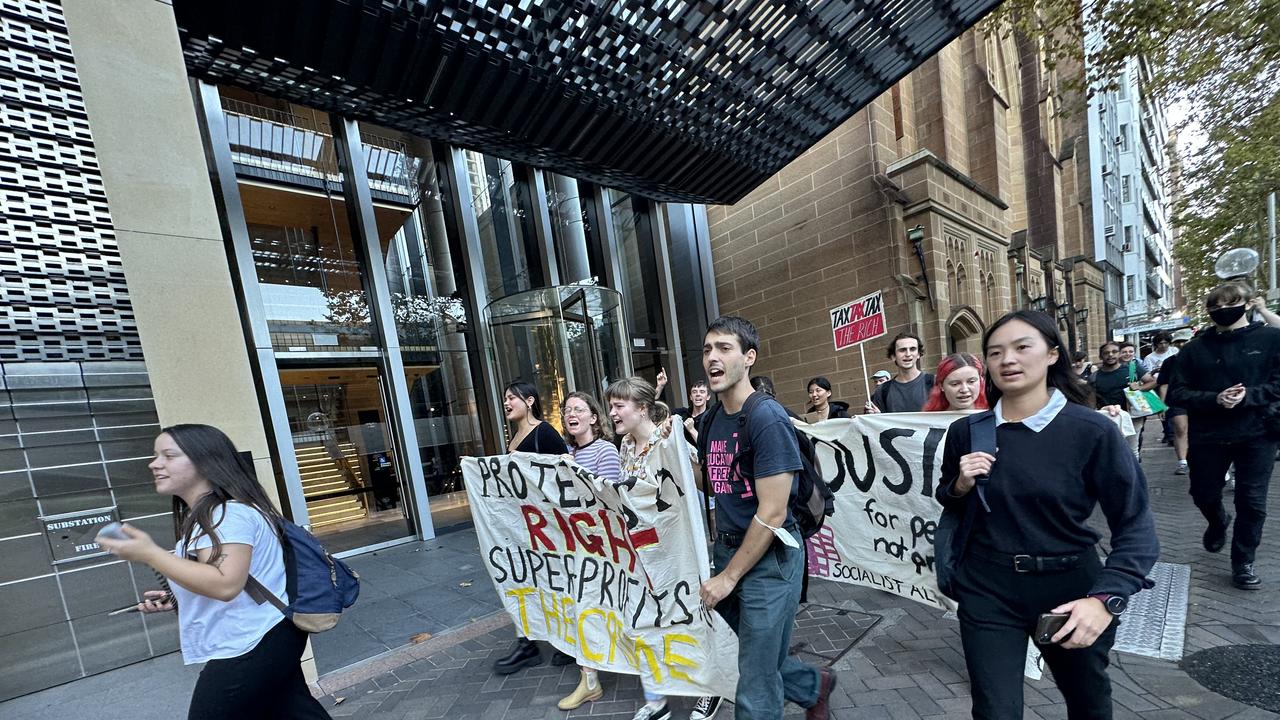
{"points": [[1215, 536], [1245, 578], [560, 659], [706, 707]]}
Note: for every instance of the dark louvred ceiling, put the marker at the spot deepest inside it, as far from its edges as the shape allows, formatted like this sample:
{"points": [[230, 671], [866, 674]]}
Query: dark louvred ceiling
{"points": [[676, 100]]}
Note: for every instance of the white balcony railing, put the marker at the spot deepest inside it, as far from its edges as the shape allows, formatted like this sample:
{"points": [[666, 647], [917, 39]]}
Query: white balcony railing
{"points": [[284, 142]]}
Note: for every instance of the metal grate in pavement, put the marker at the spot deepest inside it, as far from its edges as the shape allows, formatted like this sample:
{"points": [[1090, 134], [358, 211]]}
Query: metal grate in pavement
{"points": [[827, 633], [1154, 625]]}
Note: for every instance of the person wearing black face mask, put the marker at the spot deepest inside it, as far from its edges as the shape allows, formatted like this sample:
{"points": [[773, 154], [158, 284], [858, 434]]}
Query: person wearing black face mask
{"points": [[1228, 379]]}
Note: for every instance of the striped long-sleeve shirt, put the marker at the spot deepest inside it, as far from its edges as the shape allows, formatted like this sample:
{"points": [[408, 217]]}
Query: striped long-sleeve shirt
{"points": [[601, 458]]}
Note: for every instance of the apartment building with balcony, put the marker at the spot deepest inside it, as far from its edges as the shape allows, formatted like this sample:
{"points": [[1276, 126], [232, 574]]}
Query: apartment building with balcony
{"points": [[1129, 133]]}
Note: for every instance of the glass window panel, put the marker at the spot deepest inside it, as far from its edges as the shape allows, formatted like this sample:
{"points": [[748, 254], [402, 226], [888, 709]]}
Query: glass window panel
{"points": [[499, 199], [303, 247], [430, 321], [571, 231], [346, 455]]}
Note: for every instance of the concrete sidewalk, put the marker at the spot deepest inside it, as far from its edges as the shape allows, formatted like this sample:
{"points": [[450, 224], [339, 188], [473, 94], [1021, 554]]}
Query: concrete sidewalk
{"points": [[896, 659]]}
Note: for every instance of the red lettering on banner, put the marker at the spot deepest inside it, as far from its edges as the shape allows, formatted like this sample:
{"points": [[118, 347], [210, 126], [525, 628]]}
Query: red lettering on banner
{"points": [[618, 542], [569, 543], [590, 543], [535, 522], [644, 538]]}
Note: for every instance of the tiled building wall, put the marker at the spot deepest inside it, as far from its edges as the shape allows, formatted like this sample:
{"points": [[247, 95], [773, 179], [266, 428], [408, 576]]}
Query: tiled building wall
{"points": [[76, 413]]}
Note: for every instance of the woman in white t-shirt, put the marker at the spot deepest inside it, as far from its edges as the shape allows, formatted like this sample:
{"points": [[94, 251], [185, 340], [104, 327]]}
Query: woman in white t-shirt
{"points": [[227, 530]]}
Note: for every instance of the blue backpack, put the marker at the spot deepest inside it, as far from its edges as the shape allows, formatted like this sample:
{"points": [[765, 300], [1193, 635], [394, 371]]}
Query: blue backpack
{"points": [[318, 585]]}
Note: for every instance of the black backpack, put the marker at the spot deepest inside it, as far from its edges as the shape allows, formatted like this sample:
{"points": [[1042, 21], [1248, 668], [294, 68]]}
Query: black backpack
{"points": [[812, 502]]}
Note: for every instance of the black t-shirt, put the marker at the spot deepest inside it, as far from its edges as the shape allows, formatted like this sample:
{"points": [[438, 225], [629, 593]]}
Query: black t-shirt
{"points": [[686, 413], [1166, 370], [544, 439], [774, 450], [1109, 386]]}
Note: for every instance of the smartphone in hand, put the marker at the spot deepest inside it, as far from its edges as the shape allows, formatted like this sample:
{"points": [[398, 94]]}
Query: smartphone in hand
{"points": [[113, 531], [1048, 625]]}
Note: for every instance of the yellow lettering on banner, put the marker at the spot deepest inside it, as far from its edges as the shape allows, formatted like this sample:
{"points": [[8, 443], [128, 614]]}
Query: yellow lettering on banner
{"points": [[519, 594], [645, 653], [550, 613], [673, 661], [614, 627], [569, 610], [587, 653]]}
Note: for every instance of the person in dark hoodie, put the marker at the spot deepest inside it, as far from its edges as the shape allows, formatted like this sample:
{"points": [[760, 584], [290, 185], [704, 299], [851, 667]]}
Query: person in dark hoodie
{"points": [[1228, 380], [821, 406]]}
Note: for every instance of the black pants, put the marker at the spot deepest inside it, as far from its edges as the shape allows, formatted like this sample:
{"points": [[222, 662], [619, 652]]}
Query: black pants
{"points": [[998, 612], [266, 682], [1254, 462]]}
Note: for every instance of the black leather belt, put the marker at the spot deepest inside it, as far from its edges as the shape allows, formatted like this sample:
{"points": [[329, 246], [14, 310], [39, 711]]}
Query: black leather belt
{"points": [[1030, 563], [734, 540]]}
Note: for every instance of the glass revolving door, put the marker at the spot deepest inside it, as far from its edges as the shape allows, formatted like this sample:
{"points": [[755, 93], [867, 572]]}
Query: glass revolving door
{"points": [[561, 339]]}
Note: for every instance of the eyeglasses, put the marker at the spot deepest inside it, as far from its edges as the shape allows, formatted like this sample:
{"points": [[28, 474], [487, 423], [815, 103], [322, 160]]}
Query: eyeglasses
{"points": [[577, 410]]}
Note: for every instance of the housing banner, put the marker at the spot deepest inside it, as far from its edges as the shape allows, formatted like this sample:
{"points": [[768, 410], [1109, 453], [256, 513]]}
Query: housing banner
{"points": [[883, 470], [607, 573]]}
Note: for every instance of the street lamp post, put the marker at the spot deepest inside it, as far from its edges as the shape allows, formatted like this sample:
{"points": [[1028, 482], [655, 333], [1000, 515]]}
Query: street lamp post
{"points": [[1082, 320]]}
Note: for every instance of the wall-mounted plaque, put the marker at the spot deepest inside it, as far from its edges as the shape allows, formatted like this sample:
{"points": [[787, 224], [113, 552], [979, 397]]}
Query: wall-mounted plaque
{"points": [[71, 535]]}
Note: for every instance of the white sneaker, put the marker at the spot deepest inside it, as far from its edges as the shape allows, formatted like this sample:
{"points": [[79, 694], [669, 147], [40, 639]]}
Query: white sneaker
{"points": [[706, 707], [647, 712]]}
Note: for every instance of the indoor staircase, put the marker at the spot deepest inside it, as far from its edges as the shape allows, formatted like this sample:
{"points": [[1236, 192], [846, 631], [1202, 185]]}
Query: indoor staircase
{"points": [[321, 475]]}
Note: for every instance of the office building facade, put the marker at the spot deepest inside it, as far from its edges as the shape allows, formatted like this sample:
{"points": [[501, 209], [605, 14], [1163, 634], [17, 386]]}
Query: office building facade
{"points": [[337, 234]]}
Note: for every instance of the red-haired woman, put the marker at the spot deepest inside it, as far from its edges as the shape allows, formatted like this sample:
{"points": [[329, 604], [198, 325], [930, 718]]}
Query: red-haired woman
{"points": [[959, 385]]}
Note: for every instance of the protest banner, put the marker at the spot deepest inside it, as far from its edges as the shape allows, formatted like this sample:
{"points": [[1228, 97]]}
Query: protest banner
{"points": [[883, 470], [607, 573]]}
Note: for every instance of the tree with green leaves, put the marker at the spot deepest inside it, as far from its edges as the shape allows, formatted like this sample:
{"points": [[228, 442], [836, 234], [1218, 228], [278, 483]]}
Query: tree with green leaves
{"points": [[1218, 60]]}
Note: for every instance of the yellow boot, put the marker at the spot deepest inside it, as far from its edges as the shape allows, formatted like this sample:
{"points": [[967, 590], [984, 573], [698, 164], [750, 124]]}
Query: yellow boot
{"points": [[588, 689]]}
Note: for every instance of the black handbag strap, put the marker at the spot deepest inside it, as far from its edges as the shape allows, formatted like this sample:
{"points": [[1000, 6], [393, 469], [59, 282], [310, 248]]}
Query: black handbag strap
{"points": [[982, 438]]}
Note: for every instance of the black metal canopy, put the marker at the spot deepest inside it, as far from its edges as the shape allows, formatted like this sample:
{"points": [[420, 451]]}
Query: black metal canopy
{"points": [[676, 100]]}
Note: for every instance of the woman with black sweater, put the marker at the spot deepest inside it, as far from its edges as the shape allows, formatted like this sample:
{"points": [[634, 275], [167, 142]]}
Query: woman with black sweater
{"points": [[523, 409], [1030, 549]]}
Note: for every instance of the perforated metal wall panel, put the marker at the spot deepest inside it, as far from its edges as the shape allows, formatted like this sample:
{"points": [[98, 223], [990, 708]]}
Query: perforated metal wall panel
{"points": [[62, 289], [680, 100]]}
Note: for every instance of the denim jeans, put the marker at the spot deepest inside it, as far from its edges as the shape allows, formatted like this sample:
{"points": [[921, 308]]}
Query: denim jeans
{"points": [[762, 611]]}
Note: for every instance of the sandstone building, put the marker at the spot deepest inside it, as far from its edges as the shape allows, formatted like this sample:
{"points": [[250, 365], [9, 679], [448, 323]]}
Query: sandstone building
{"points": [[972, 150]]}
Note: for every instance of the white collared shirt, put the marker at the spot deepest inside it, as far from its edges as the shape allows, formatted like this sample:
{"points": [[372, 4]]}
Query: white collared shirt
{"points": [[1043, 416]]}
